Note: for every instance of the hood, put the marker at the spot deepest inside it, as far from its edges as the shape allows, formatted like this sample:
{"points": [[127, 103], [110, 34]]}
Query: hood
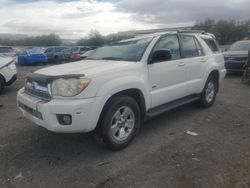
{"points": [[87, 67], [236, 53], [4, 60]]}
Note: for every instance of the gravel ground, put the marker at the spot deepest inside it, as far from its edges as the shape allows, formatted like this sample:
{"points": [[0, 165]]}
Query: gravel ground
{"points": [[162, 155]]}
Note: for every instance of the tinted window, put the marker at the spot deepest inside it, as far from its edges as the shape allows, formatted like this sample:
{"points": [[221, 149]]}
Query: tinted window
{"points": [[212, 45], [191, 47], [84, 49], [49, 50], [6, 50], [171, 43]]}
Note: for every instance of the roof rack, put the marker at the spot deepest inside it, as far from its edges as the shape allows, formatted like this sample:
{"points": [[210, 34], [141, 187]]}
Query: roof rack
{"points": [[143, 32], [191, 31]]}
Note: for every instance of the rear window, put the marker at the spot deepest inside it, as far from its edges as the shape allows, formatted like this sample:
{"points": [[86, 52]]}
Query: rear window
{"points": [[212, 45]]}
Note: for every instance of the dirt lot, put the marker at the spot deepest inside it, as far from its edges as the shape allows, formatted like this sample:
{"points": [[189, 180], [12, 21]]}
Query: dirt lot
{"points": [[163, 155]]}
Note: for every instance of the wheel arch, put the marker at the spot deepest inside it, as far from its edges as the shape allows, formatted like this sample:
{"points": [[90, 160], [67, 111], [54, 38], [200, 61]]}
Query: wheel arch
{"points": [[215, 73], [2, 77], [134, 93]]}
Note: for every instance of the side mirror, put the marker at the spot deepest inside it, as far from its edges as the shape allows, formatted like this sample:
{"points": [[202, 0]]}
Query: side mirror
{"points": [[160, 56]]}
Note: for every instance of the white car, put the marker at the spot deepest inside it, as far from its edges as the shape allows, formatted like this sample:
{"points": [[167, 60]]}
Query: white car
{"points": [[120, 85], [7, 71]]}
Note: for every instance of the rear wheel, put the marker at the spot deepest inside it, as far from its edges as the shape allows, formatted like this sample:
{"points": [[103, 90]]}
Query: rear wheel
{"points": [[209, 93], [120, 123], [2, 84]]}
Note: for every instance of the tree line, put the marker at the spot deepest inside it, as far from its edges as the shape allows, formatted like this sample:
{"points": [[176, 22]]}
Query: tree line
{"points": [[225, 31], [43, 40]]}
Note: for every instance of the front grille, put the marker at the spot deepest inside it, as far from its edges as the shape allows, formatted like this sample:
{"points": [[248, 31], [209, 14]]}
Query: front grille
{"points": [[37, 89], [234, 58], [234, 65], [30, 111]]}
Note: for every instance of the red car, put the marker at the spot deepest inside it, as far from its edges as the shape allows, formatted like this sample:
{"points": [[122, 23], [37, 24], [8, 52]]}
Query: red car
{"points": [[76, 52]]}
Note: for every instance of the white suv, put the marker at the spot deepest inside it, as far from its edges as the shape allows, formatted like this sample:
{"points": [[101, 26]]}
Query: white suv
{"points": [[119, 85], [7, 71]]}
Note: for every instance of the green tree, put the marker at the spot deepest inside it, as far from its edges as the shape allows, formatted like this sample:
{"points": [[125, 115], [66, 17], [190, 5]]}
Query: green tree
{"points": [[43, 40], [94, 39], [226, 32]]}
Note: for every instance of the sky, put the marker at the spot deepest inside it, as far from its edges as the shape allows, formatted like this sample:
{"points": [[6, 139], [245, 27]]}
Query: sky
{"points": [[76, 18]]}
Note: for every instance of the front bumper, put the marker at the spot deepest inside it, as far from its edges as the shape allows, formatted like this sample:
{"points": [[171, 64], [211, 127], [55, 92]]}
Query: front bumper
{"points": [[84, 112], [235, 66]]}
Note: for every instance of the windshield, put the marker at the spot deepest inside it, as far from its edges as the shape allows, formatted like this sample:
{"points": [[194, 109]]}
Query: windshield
{"points": [[240, 46], [6, 50], [34, 51], [131, 50]]}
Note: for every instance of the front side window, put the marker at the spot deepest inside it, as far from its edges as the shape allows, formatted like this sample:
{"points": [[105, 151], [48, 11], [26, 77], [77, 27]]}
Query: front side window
{"points": [[130, 50], [190, 47], [171, 43]]}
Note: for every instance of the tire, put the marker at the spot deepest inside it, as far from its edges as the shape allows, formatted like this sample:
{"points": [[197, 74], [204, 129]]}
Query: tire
{"points": [[2, 84], [209, 93], [119, 123]]}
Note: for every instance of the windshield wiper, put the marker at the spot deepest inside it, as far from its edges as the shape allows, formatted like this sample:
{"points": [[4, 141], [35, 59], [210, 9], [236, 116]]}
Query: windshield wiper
{"points": [[113, 58]]}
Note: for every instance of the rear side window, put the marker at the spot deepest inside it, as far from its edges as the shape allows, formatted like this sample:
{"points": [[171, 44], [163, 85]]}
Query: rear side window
{"points": [[212, 45], [190, 47]]}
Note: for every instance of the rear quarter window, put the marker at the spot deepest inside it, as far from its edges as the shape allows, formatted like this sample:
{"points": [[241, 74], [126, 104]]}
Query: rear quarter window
{"points": [[212, 44], [190, 47]]}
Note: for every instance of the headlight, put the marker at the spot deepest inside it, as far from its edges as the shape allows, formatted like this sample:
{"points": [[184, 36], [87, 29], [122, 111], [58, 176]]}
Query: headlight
{"points": [[12, 66], [69, 87]]}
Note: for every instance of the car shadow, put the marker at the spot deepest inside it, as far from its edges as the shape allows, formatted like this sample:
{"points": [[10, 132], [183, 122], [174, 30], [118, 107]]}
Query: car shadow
{"points": [[38, 150]]}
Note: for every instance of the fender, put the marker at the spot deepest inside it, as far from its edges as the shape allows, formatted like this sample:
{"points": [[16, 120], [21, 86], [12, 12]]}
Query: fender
{"points": [[213, 66], [124, 83]]}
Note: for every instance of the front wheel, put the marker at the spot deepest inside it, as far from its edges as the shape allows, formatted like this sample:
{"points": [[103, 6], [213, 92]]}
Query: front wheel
{"points": [[209, 93], [120, 123], [2, 84]]}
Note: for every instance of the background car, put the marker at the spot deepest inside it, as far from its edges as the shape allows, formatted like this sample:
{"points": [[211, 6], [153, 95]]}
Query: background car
{"points": [[236, 56], [7, 71], [55, 54], [7, 51], [86, 54], [76, 52], [31, 57]]}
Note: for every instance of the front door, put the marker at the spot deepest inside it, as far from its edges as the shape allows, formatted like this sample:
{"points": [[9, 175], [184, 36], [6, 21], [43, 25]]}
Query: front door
{"points": [[168, 78]]}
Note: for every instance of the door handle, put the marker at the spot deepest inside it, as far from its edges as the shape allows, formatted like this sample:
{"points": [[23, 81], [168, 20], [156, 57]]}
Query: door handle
{"points": [[203, 61], [181, 64]]}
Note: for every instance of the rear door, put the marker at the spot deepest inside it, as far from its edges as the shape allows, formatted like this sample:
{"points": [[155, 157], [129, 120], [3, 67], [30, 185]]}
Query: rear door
{"points": [[168, 78], [195, 60]]}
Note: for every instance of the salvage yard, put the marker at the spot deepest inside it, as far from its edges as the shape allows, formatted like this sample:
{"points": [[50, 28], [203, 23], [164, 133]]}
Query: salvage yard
{"points": [[163, 154]]}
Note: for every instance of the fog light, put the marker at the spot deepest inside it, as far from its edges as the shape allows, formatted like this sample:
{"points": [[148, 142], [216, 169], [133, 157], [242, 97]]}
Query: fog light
{"points": [[64, 119]]}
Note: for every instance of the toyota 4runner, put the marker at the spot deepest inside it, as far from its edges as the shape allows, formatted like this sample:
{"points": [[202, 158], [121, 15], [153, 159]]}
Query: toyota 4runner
{"points": [[123, 83]]}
